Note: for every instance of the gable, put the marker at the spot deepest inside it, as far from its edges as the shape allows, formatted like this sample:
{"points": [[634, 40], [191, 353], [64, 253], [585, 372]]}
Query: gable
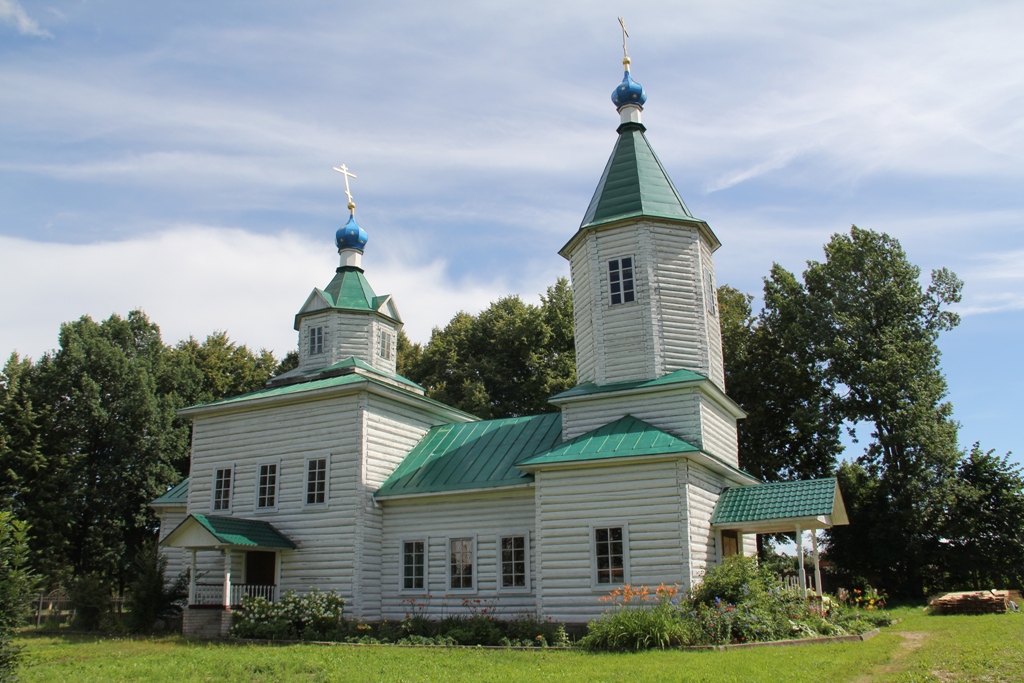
{"points": [[473, 455]]}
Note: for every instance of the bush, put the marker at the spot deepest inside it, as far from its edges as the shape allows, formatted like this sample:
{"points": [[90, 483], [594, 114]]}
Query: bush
{"points": [[15, 583], [641, 619], [313, 616], [90, 596], [149, 597], [477, 629]]}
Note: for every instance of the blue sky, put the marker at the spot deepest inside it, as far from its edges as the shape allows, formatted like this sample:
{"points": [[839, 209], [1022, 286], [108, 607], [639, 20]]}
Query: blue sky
{"points": [[177, 156]]}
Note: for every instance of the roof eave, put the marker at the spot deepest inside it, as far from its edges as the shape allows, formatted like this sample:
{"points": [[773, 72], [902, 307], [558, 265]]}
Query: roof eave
{"points": [[384, 497], [569, 247], [779, 524]]}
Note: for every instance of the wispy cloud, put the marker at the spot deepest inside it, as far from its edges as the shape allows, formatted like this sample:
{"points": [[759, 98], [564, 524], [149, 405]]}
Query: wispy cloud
{"points": [[14, 14]]}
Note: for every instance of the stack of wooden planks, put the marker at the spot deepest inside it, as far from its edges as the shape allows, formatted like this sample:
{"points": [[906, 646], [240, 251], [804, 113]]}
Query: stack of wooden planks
{"points": [[972, 602]]}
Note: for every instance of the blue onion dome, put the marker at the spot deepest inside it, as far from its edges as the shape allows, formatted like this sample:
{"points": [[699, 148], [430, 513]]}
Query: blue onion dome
{"points": [[350, 236], [629, 92]]}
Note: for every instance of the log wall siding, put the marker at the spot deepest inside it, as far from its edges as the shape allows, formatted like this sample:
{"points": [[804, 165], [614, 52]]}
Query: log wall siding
{"points": [[392, 431], [624, 335], [178, 559], [718, 431], [645, 497], [375, 359], [680, 302], [585, 305], [676, 412], [345, 334], [702, 491], [435, 519], [713, 325]]}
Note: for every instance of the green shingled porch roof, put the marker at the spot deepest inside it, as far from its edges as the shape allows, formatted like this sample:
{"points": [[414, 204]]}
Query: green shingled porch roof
{"points": [[473, 455], [626, 437], [237, 531], [634, 183], [177, 495], [782, 500], [677, 377]]}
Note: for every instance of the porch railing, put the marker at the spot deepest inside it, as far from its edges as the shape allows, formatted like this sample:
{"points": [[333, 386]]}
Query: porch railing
{"points": [[213, 593]]}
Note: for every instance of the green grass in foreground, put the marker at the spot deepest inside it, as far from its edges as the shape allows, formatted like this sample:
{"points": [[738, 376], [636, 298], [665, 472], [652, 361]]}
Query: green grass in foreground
{"points": [[989, 648]]}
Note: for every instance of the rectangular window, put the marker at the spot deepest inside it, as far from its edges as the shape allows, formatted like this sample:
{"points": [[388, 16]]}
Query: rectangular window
{"points": [[413, 565], [610, 556], [316, 340], [316, 481], [710, 295], [266, 496], [384, 342], [620, 280], [222, 489], [513, 562], [460, 563]]}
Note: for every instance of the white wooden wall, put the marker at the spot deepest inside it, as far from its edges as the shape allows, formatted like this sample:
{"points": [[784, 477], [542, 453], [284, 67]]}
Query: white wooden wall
{"points": [[702, 491], [346, 334], [718, 431], [485, 515], [647, 498], [178, 559], [712, 326], [676, 412]]}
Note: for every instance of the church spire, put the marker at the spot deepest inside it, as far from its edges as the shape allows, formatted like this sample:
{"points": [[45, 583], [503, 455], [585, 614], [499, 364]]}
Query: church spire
{"points": [[350, 238]]}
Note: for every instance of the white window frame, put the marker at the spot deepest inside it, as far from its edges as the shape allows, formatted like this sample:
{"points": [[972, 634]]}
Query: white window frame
{"points": [[305, 482], [606, 524], [323, 339], [231, 490], [277, 486], [608, 275], [426, 565], [382, 330], [525, 533], [710, 292], [448, 565]]}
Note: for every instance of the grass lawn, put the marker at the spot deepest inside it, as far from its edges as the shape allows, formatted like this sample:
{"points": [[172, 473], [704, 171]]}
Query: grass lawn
{"points": [[922, 648]]}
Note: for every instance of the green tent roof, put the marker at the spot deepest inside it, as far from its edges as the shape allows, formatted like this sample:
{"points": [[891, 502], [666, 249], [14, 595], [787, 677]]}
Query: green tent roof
{"points": [[634, 183], [677, 377], [177, 495], [238, 531], [473, 455], [350, 291], [781, 500], [626, 437]]}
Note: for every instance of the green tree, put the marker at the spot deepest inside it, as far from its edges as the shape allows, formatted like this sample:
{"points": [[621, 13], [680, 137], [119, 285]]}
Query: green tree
{"points": [[875, 331], [21, 460], [504, 362], [982, 543], [16, 581]]}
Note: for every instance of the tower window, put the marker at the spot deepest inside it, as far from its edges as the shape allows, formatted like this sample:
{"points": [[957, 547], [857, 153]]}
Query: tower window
{"points": [[620, 280], [316, 340], [385, 340], [710, 295]]}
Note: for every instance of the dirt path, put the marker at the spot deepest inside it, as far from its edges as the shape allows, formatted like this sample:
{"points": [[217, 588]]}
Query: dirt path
{"points": [[911, 641]]}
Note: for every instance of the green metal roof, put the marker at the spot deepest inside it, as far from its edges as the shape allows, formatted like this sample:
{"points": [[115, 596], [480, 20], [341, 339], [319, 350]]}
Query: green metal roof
{"points": [[350, 291], [327, 383], [634, 183], [177, 495], [781, 500], [237, 531], [473, 455], [589, 388], [340, 368], [626, 437]]}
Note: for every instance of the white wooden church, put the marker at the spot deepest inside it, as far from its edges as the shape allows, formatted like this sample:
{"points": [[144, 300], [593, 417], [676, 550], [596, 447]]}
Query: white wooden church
{"points": [[342, 475]]}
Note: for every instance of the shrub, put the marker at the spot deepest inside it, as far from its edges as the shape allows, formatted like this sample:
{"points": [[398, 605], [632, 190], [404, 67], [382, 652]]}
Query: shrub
{"points": [[314, 616], [473, 630], [641, 619], [90, 596], [149, 596], [15, 583]]}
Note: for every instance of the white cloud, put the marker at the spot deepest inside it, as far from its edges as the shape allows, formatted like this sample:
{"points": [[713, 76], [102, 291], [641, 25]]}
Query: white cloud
{"points": [[192, 280], [13, 13]]}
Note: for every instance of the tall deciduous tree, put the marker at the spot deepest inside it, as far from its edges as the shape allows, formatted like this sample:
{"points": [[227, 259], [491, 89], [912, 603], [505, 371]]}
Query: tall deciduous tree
{"points": [[504, 362]]}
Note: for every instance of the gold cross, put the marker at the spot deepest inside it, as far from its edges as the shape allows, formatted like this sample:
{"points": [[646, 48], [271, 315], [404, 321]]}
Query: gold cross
{"points": [[625, 34], [343, 169]]}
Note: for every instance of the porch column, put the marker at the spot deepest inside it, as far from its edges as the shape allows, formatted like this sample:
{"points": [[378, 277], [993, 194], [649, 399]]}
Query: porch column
{"points": [[277, 576], [192, 580], [817, 563], [227, 578], [800, 554]]}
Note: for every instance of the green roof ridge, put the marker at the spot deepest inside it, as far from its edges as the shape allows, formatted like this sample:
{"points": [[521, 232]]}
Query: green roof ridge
{"points": [[473, 455], [624, 438], [634, 183]]}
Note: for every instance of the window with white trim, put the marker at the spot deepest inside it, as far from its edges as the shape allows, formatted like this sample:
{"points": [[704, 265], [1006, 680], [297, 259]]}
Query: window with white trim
{"points": [[514, 561], [414, 565], [385, 344], [610, 555], [266, 485], [460, 563], [710, 294], [620, 280], [316, 481], [222, 489], [316, 340]]}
